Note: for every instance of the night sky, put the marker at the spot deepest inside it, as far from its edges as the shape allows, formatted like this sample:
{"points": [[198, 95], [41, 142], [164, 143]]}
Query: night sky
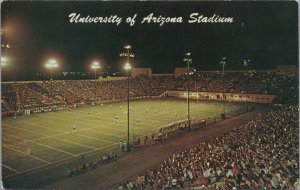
{"points": [[265, 32]]}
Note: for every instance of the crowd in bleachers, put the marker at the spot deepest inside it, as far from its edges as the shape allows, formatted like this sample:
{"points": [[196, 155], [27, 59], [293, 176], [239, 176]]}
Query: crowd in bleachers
{"points": [[262, 154], [97, 162], [18, 96]]}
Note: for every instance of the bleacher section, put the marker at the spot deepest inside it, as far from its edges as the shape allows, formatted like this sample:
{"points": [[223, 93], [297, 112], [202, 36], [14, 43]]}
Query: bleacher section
{"points": [[24, 95]]}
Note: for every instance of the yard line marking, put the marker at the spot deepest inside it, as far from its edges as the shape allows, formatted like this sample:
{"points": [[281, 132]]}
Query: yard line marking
{"points": [[108, 134], [76, 143], [58, 138], [94, 138], [24, 129], [41, 144], [39, 125], [30, 169], [50, 136], [61, 160], [16, 171], [55, 136], [33, 124], [27, 154]]}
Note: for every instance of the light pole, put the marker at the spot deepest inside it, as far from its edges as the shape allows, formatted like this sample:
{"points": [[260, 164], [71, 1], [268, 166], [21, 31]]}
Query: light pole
{"points": [[4, 59], [52, 63], [223, 62], [127, 67], [188, 60], [6, 46], [246, 65], [96, 65]]}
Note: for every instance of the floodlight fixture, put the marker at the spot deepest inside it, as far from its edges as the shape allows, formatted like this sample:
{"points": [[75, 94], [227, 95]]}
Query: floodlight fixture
{"points": [[127, 66]]}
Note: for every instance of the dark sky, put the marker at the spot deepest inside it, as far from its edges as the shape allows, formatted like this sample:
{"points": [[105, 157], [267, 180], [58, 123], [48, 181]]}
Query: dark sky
{"points": [[265, 32]]}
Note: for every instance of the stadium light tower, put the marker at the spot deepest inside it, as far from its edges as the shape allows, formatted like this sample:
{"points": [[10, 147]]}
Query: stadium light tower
{"points": [[246, 65], [52, 63], [6, 46], [127, 68], [95, 65], [223, 63], [4, 58], [4, 61], [188, 60]]}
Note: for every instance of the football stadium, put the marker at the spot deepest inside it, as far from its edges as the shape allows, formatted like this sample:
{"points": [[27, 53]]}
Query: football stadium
{"points": [[120, 114]]}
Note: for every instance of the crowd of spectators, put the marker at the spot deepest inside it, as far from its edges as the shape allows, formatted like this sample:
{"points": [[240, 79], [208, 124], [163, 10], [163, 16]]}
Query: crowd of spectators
{"points": [[97, 162], [26, 95], [262, 154]]}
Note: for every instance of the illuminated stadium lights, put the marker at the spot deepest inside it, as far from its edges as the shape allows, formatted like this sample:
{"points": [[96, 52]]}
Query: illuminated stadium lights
{"points": [[127, 53], [95, 65], [4, 61], [188, 59], [52, 63], [223, 62], [246, 65], [6, 46], [127, 67], [246, 62], [127, 47]]}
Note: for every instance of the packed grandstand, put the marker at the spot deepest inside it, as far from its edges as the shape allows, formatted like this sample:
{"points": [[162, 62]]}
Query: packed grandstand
{"points": [[262, 154], [18, 96]]}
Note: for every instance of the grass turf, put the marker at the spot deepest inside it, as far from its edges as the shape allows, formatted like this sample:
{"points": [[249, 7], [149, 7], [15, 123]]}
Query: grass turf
{"points": [[51, 137]]}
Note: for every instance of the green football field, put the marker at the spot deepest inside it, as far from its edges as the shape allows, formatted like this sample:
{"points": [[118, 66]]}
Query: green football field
{"points": [[39, 140]]}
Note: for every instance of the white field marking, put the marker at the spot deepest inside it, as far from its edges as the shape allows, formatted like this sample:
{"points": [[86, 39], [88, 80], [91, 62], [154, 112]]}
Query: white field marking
{"points": [[113, 113], [146, 120], [24, 129], [102, 126], [28, 155], [116, 128], [95, 138], [95, 127], [40, 144], [137, 128], [49, 136], [67, 125], [112, 123], [61, 134], [61, 160], [75, 143], [16, 171], [34, 140], [38, 125], [76, 133]]}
